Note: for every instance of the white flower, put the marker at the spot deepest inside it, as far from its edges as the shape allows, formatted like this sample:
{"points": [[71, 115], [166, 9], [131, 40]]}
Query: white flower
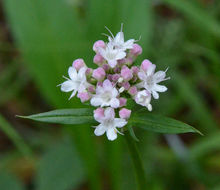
{"points": [[143, 98], [118, 41], [111, 55], [106, 95], [77, 81], [108, 124], [150, 80]]}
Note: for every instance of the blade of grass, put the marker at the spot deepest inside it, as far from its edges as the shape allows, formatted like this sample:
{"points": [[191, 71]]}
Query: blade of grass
{"points": [[14, 137], [195, 14]]}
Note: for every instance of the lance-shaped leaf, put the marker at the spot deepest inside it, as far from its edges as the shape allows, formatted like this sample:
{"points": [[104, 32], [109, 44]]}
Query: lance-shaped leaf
{"points": [[64, 116], [161, 124]]}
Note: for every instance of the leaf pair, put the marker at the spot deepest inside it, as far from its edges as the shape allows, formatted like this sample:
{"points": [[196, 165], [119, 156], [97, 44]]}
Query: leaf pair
{"points": [[142, 119]]}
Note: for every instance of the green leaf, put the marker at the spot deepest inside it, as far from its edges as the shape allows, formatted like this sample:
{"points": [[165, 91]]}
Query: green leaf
{"points": [[161, 124], [64, 116], [60, 168]]}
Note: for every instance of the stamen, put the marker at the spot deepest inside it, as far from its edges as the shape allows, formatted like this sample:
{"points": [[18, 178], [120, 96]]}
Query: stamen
{"points": [[109, 32]]}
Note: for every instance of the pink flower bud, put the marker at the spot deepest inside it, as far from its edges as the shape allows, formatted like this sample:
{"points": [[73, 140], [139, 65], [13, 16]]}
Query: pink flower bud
{"points": [[84, 96], [126, 73], [91, 89], [98, 44], [133, 90], [98, 59], [126, 85], [127, 61], [122, 101], [124, 113], [136, 50], [135, 70], [106, 67], [99, 73], [99, 113], [78, 64], [89, 71], [117, 69], [145, 64], [115, 77], [109, 77]]}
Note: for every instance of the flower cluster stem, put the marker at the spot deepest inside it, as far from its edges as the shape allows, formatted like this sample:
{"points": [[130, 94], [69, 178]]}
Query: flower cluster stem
{"points": [[138, 166]]}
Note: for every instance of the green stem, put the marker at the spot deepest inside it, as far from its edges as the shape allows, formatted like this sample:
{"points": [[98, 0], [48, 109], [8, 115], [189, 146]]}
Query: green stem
{"points": [[138, 166]]}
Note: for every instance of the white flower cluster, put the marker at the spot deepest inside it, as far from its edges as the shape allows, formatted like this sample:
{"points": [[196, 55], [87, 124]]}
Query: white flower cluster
{"points": [[115, 79]]}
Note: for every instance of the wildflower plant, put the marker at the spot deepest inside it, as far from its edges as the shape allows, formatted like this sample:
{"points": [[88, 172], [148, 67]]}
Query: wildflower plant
{"points": [[119, 91]]}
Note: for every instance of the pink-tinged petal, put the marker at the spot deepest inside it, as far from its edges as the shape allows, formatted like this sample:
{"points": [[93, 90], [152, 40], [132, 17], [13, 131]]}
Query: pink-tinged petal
{"points": [[142, 75], [155, 94], [78, 63], [99, 89], [99, 114], [84, 96], [112, 63], [122, 101], [136, 49], [107, 84], [72, 73], [120, 122], [68, 86], [95, 101], [111, 134], [98, 44], [124, 113], [99, 73], [146, 64], [133, 90], [100, 130], [151, 69], [114, 103], [109, 113], [160, 88], [98, 59]]}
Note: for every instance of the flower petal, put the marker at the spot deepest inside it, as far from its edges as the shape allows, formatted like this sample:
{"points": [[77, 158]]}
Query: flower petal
{"points": [[112, 63], [159, 76], [118, 122], [100, 130], [151, 69], [160, 88], [109, 113], [72, 73], [107, 84], [96, 101], [141, 75], [111, 134], [120, 55], [114, 103], [68, 86], [155, 94]]}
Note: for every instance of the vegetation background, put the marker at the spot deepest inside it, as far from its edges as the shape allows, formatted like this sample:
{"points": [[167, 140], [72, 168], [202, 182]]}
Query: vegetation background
{"points": [[39, 40]]}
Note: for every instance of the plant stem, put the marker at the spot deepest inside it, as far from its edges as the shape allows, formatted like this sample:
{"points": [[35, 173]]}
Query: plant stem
{"points": [[138, 166]]}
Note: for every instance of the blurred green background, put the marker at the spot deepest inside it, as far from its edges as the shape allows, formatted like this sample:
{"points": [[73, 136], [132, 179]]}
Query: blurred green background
{"points": [[39, 40]]}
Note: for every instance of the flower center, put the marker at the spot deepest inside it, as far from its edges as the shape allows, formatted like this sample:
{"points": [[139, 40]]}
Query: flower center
{"points": [[107, 96]]}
